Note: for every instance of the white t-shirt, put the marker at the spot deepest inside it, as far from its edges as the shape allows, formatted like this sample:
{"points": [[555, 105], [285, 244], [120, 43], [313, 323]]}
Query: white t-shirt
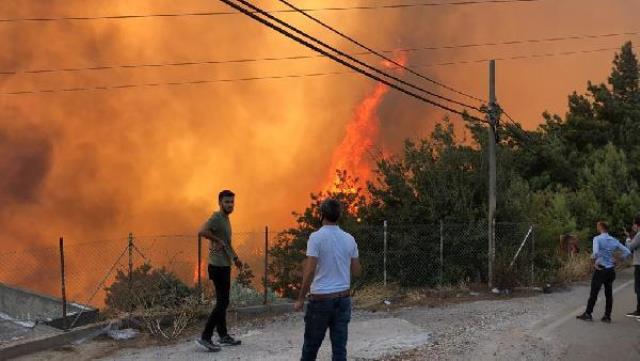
{"points": [[334, 249]]}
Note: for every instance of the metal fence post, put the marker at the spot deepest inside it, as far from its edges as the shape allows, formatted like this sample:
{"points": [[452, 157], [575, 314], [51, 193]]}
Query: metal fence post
{"points": [[441, 252], [200, 267], [533, 254], [384, 254], [130, 263], [62, 283], [266, 263]]}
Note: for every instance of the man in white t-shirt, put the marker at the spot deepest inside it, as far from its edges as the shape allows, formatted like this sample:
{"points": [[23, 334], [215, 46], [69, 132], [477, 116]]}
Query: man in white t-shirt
{"points": [[332, 257]]}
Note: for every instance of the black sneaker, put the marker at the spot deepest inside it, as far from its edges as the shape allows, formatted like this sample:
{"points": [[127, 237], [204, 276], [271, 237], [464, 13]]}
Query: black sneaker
{"points": [[585, 317], [606, 319], [634, 314], [208, 345], [229, 341]]}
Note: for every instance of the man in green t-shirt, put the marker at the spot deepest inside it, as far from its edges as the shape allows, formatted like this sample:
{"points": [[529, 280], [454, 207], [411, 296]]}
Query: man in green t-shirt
{"points": [[221, 254]]}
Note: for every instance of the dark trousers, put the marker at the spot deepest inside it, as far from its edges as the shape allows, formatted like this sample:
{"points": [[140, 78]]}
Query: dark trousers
{"points": [[636, 276], [333, 314], [221, 277], [602, 277]]}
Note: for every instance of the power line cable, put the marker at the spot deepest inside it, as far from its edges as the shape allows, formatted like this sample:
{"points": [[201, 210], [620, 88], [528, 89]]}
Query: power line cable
{"points": [[522, 132], [343, 62], [158, 84], [314, 56], [222, 13], [345, 55], [530, 56], [372, 51], [273, 77]]}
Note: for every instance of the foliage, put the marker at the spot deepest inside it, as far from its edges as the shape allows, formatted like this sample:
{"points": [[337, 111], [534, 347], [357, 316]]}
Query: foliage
{"points": [[164, 303], [150, 287], [564, 176], [242, 295], [245, 276]]}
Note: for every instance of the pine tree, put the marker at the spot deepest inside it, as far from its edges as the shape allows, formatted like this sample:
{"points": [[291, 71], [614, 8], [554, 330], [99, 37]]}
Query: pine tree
{"points": [[625, 75]]}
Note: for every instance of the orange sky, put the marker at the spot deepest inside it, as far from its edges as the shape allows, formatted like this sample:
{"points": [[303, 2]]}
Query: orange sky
{"points": [[99, 164]]}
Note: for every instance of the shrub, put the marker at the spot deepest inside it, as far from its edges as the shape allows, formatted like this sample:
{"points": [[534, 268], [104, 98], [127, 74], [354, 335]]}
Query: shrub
{"points": [[241, 295], [150, 287]]}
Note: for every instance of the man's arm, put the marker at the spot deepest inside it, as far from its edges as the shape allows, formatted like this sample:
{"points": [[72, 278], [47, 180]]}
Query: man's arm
{"points": [[220, 244], [625, 251], [308, 271], [596, 248], [634, 243], [356, 268], [231, 253], [206, 232]]}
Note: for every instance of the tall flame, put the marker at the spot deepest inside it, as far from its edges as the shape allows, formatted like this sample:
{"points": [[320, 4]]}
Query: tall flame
{"points": [[361, 134]]}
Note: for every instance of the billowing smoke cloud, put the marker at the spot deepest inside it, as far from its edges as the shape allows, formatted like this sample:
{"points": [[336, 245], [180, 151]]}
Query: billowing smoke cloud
{"points": [[98, 164], [26, 161]]}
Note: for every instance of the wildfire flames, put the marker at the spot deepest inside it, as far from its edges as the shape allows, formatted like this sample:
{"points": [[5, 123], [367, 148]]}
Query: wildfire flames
{"points": [[93, 166], [361, 134]]}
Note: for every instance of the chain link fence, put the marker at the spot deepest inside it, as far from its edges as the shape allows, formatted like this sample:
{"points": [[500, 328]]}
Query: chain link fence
{"points": [[162, 268], [445, 254]]}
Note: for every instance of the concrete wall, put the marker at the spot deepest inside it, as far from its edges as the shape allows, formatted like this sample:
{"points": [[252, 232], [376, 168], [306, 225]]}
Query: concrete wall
{"points": [[25, 305]]}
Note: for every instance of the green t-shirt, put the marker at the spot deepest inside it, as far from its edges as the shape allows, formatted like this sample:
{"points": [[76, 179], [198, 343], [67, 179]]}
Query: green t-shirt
{"points": [[220, 226]]}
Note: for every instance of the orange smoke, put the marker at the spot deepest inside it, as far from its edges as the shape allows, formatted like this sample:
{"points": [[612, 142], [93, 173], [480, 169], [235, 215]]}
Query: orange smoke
{"points": [[361, 134]]}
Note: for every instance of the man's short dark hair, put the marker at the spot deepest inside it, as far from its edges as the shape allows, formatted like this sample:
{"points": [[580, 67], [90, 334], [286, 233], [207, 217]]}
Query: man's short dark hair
{"points": [[636, 221], [604, 226], [225, 193], [330, 209]]}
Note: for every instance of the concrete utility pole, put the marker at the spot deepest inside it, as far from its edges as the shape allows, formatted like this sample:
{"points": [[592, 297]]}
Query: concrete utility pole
{"points": [[493, 121]]}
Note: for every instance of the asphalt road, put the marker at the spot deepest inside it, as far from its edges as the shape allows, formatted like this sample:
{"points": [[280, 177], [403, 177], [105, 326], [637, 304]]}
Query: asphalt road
{"points": [[587, 341]]}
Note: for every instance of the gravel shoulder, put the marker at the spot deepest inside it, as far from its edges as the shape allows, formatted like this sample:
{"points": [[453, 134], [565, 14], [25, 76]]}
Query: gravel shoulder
{"points": [[499, 329]]}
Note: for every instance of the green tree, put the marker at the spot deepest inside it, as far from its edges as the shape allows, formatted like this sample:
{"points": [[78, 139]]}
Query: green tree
{"points": [[434, 179], [614, 189], [245, 276], [555, 154], [563, 177], [288, 252]]}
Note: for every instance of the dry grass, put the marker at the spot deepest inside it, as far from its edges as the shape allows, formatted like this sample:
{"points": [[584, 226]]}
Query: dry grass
{"points": [[575, 268], [170, 323], [375, 293], [372, 296]]}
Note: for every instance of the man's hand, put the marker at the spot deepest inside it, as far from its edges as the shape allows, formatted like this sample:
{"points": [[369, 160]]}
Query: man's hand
{"points": [[298, 306], [237, 262], [597, 267], [217, 246]]}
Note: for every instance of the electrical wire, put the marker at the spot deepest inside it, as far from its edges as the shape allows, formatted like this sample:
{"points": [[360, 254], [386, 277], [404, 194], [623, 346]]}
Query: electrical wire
{"points": [[219, 13], [372, 51], [343, 54]]}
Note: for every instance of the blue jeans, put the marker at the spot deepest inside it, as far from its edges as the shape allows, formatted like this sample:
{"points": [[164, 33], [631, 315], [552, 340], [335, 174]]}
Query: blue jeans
{"points": [[334, 314]]}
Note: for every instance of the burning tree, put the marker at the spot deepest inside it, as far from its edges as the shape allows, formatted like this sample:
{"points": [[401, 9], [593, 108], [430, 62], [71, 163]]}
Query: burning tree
{"points": [[289, 250]]}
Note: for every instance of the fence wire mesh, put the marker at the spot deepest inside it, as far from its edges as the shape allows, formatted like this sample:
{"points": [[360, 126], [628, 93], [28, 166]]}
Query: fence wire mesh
{"points": [[170, 266]]}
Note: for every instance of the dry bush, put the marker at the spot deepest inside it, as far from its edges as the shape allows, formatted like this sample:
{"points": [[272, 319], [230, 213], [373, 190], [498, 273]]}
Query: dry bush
{"points": [[574, 268], [375, 293], [170, 322], [165, 305]]}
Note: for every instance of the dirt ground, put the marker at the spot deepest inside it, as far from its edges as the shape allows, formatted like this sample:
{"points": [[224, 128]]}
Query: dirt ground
{"points": [[489, 328]]}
